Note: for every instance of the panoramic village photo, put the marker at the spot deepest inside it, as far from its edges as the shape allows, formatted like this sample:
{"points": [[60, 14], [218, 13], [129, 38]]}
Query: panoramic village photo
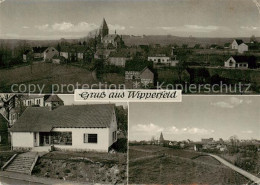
{"points": [[215, 48], [203, 140], [51, 139]]}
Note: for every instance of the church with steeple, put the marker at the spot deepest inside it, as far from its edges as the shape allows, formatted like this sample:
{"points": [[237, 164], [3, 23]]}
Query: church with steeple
{"points": [[103, 30], [109, 41], [161, 138]]}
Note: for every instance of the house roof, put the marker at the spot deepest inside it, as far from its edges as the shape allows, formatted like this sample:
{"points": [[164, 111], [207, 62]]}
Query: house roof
{"points": [[239, 41], [32, 96], [146, 68], [42, 119], [110, 37], [39, 49], [243, 58], [53, 98]]}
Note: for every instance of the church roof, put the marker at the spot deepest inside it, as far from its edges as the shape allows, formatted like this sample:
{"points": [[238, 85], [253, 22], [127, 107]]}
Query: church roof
{"points": [[111, 37]]}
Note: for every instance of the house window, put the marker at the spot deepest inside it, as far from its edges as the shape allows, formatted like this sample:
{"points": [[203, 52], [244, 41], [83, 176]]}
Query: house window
{"points": [[114, 136], [61, 138], [90, 138]]}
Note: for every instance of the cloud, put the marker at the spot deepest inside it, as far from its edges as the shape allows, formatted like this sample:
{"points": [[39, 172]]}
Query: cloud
{"points": [[43, 27], [25, 27], [247, 132], [230, 103], [192, 28], [68, 27], [149, 128], [250, 28], [1, 1], [115, 27], [188, 130], [153, 129]]}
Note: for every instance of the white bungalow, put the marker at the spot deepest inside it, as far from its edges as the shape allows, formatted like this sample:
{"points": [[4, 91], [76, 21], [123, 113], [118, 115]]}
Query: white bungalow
{"points": [[76, 127], [159, 59]]}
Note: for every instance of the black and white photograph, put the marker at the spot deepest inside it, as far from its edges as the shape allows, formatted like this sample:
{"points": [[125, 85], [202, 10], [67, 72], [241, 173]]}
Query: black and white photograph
{"points": [[202, 140], [51, 139], [129, 92], [198, 46]]}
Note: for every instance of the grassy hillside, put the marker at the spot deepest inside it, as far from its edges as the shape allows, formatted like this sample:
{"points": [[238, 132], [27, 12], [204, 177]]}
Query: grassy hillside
{"points": [[177, 167], [44, 74]]}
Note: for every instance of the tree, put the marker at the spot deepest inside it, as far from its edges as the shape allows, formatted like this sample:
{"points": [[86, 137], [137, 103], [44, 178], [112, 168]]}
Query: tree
{"points": [[252, 38], [58, 48], [122, 117], [181, 66]]}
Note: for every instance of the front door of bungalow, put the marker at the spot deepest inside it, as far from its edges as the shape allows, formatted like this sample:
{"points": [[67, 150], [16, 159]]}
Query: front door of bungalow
{"points": [[45, 138]]}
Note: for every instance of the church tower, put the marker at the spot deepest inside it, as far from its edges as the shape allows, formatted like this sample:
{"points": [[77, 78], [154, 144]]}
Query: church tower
{"points": [[161, 138], [103, 30]]}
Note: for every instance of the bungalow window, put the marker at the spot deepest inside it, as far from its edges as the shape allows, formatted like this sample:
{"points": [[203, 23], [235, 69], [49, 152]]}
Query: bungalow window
{"points": [[114, 136], [61, 138], [90, 138]]}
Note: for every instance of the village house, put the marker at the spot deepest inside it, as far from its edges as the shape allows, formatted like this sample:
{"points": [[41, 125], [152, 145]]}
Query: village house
{"points": [[146, 76], [26, 55], [242, 62], [132, 75], [64, 52], [159, 59], [53, 101], [49, 53], [118, 61], [163, 60], [38, 52], [33, 100], [239, 45], [75, 127], [119, 58], [9, 108]]}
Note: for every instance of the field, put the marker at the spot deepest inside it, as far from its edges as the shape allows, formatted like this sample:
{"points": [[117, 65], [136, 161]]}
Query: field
{"points": [[155, 164], [45, 74]]}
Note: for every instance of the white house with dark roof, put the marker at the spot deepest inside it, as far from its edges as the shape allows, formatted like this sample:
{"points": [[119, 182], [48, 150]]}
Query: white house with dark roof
{"points": [[49, 53], [239, 45], [242, 62], [75, 127]]}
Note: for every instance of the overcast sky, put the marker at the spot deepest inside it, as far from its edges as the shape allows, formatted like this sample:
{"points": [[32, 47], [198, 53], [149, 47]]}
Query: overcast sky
{"points": [[196, 117], [55, 19]]}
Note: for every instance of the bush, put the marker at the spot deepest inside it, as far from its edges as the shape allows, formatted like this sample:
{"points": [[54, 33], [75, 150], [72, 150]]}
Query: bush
{"points": [[120, 145], [67, 171]]}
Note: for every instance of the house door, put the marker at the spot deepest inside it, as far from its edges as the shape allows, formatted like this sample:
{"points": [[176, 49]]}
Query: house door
{"points": [[45, 138]]}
